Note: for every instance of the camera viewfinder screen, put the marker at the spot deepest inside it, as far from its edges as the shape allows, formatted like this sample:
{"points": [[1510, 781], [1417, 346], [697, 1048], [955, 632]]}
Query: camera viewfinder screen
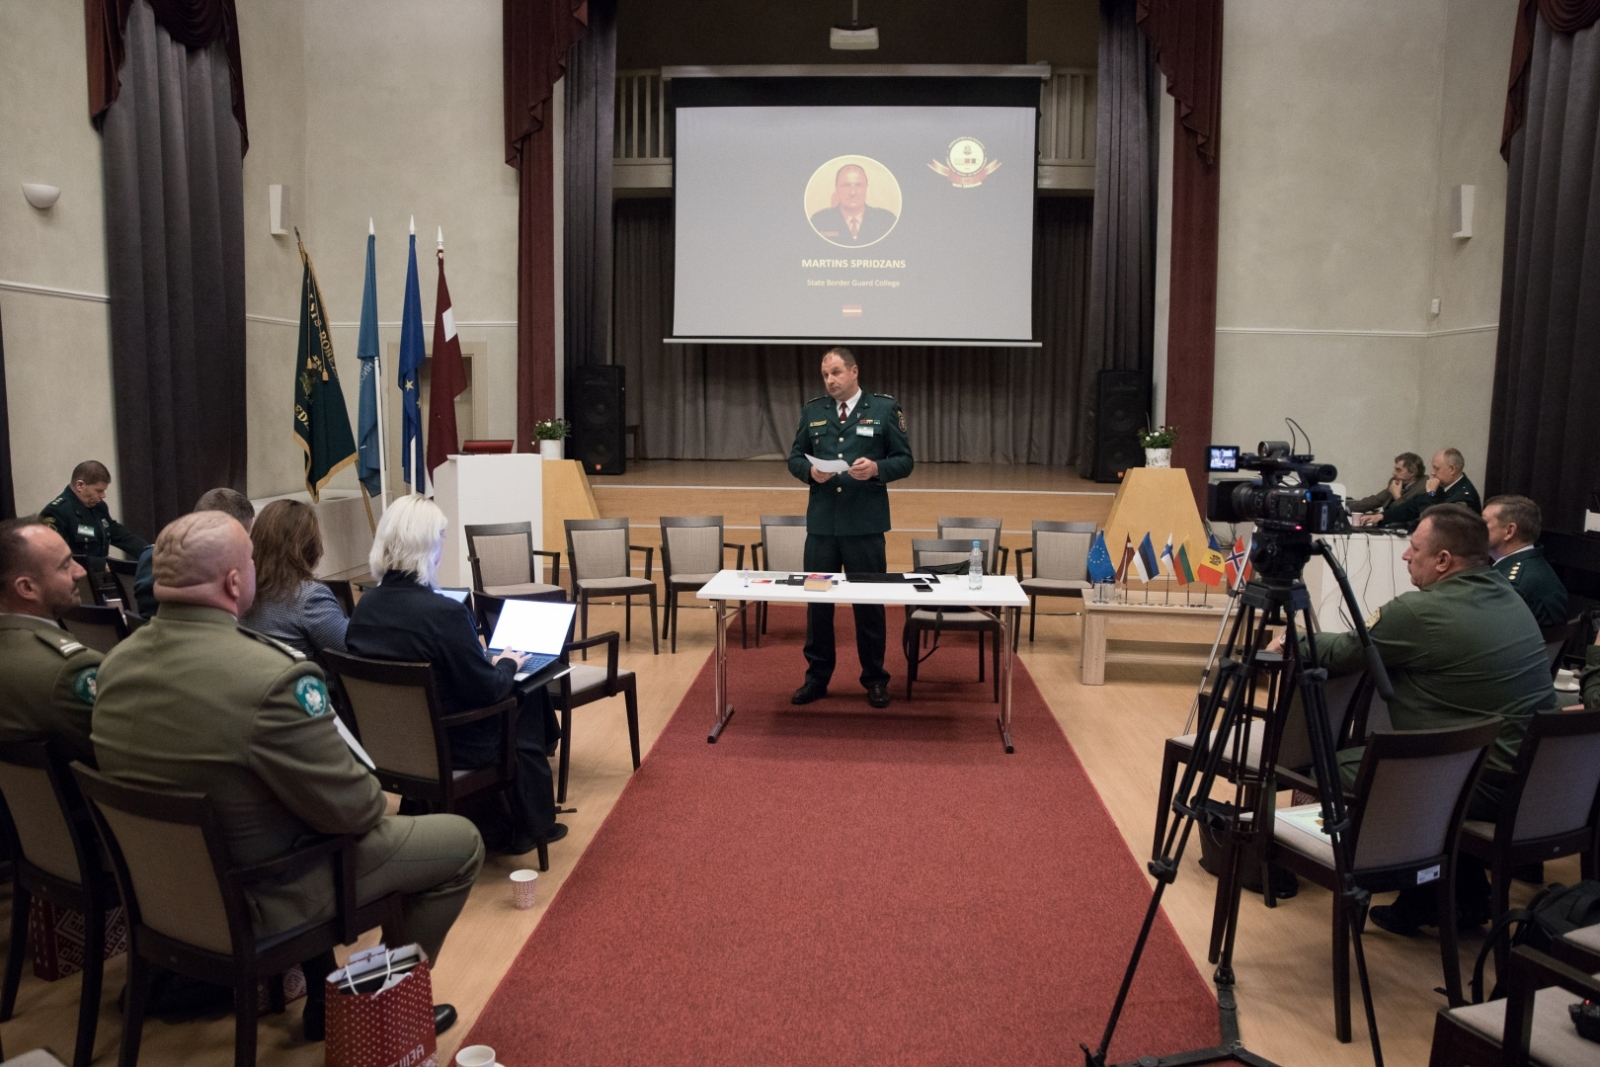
{"points": [[1223, 458]]}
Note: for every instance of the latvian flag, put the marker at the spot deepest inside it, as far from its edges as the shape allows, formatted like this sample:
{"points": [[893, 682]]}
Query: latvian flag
{"points": [[852, 311]]}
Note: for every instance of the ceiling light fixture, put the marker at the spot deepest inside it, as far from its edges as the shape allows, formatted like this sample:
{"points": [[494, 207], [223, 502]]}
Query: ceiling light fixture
{"points": [[854, 37]]}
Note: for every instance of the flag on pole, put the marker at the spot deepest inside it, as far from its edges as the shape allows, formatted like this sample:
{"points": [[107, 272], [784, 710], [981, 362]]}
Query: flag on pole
{"points": [[369, 465], [1239, 561], [1210, 570], [1184, 567], [1212, 542], [1127, 557], [448, 374], [1145, 561], [321, 422], [1101, 568], [411, 355], [1169, 565]]}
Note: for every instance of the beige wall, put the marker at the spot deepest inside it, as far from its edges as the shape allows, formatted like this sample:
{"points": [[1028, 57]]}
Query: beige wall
{"points": [[58, 364], [1344, 127]]}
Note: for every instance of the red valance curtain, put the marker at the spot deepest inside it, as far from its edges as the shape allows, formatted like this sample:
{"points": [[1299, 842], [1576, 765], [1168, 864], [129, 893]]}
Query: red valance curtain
{"points": [[1187, 37], [191, 23], [536, 36], [1562, 16]]}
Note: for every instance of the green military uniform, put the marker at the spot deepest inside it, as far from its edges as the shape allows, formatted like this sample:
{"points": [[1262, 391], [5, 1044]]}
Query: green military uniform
{"points": [[1536, 583], [1407, 512], [1461, 651], [193, 701], [846, 518], [89, 531], [47, 684], [1382, 502]]}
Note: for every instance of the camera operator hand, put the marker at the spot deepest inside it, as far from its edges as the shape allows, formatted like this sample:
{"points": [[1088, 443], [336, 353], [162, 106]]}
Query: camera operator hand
{"points": [[1275, 645]]}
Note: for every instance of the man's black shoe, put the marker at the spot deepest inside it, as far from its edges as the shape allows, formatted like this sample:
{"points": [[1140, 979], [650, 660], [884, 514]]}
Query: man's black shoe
{"points": [[444, 1017], [878, 696], [1385, 917], [525, 845], [809, 692]]}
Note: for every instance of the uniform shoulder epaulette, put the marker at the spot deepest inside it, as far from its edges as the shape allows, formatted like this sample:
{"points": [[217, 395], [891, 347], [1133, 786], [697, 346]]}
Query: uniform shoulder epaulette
{"points": [[288, 650], [814, 399], [65, 643], [885, 396]]}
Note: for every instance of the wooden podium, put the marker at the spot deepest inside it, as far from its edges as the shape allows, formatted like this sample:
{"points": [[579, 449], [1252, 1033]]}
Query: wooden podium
{"points": [[1157, 501], [477, 490]]}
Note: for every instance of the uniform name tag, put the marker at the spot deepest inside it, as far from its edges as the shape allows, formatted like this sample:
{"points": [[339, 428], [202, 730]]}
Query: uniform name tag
{"points": [[824, 422], [864, 431], [87, 532]]}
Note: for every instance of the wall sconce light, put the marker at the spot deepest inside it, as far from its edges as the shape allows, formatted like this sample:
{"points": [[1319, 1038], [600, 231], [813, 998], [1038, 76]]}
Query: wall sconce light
{"points": [[43, 197]]}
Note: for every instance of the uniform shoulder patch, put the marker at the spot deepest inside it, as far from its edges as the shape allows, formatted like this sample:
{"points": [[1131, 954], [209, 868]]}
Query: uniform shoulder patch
{"points": [[86, 685], [1372, 620], [288, 650], [64, 643], [901, 412], [311, 695]]}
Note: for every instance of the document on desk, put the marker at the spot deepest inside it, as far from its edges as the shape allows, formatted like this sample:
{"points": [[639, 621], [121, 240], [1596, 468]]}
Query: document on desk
{"points": [[828, 466]]}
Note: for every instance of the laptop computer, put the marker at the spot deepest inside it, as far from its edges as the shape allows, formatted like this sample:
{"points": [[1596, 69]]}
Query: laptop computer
{"points": [[536, 627], [458, 595]]}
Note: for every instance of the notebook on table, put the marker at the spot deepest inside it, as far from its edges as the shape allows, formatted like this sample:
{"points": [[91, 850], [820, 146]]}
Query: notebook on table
{"points": [[536, 627]]}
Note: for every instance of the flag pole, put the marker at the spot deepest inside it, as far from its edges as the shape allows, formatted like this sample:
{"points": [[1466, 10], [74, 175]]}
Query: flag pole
{"points": [[377, 392]]}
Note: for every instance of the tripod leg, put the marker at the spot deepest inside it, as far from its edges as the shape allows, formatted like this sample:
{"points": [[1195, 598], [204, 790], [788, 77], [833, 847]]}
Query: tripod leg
{"points": [[1341, 970]]}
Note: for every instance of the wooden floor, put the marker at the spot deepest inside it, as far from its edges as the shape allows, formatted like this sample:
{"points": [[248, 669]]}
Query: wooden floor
{"points": [[1117, 730]]}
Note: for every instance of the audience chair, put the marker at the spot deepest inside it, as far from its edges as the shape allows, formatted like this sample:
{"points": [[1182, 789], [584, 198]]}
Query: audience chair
{"points": [[343, 591], [691, 555], [504, 564], [957, 620], [781, 550], [1410, 798], [56, 857], [187, 910], [996, 557], [1060, 565], [123, 572], [1530, 1026], [88, 591], [586, 684], [600, 555], [1550, 808], [100, 627], [358, 587], [396, 710], [1555, 641]]}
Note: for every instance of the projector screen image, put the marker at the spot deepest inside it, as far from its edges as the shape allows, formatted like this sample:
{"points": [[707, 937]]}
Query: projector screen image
{"points": [[854, 222]]}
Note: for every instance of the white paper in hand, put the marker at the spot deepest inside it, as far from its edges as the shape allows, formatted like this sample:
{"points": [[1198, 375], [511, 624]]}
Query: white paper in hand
{"points": [[828, 466]]}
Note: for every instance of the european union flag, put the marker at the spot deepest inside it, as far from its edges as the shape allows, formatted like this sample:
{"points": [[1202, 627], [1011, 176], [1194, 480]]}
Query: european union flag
{"points": [[369, 464], [1101, 569], [411, 356]]}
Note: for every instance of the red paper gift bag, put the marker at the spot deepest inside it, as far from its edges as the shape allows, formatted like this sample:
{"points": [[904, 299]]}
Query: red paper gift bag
{"points": [[55, 934], [391, 1028]]}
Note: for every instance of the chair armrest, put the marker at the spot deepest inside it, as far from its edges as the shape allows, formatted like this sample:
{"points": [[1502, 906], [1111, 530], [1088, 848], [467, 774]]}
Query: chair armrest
{"points": [[1005, 559], [290, 862], [649, 559], [1020, 553], [555, 568], [463, 717], [609, 639], [755, 554], [740, 564]]}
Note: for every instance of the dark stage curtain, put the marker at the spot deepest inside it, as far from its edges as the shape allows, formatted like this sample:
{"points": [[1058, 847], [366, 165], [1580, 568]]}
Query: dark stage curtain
{"points": [[536, 35], [175, 267], [191, 23], [8, 487], [1542, 441], [976, 405], [1562, 16], [1187, 38], [1120, 326], [586, 234]]}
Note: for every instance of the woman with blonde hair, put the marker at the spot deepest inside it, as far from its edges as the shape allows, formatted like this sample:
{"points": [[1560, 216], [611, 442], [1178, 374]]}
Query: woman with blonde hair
{"points": [[405, 619], [292, 606]]}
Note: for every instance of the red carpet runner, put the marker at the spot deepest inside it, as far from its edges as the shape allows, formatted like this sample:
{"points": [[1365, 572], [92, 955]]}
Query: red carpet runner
{"points": [[837, 885]]}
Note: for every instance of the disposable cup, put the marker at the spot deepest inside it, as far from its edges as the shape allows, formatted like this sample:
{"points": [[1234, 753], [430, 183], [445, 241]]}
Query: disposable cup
{"points": [[475, 1056], [522, 885]]}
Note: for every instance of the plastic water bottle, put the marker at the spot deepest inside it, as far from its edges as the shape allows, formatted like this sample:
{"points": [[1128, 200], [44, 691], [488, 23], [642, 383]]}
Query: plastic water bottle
{"points": [[975, 566]]}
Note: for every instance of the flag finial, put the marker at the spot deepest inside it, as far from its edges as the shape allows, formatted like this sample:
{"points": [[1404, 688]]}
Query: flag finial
{"points": [[441, 238], [371, 230], [413, 225]]}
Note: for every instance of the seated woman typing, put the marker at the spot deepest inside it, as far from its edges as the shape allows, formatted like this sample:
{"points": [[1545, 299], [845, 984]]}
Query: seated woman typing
{"points": [[404, 619], [291, 606]]}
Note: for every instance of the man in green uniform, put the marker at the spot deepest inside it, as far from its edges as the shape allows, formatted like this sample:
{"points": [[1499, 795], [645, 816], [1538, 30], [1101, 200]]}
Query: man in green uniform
{"points": [[1514, 526], [1405, 483], [84, 522], [1448, 485], [194, 702], [848, 513], [1460, 649], [47, 676]]}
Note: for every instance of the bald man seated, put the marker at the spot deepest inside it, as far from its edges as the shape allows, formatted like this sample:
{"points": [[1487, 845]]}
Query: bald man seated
{"points": [[195, 702]]}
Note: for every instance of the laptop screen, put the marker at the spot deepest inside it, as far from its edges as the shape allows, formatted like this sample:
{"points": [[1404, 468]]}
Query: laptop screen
{"points": [[533, 626], [458, 595]]}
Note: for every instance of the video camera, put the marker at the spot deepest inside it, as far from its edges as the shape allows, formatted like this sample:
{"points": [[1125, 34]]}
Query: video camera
{"points": [[1307, 507]]}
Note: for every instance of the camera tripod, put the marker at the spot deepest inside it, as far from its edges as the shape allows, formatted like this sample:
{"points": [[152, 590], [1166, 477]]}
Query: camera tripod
{"points": [[1275, 596]]}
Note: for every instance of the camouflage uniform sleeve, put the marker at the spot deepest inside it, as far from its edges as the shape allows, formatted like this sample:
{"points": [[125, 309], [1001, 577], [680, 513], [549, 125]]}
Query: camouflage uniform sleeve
{"points": [[297, 751], [73, 702]]}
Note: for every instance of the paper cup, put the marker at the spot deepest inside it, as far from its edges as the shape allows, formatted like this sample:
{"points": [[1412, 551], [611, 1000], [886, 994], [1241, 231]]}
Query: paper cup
{"points": [[522, 884], [476, 1056]]}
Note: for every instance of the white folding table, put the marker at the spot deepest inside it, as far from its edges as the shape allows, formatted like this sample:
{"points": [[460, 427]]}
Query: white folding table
{"points": [[998, 594]]}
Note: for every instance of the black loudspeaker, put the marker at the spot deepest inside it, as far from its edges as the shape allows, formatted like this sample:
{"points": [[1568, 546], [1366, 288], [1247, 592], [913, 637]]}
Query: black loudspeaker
{"points": [[1123, 405], [596, 409]]}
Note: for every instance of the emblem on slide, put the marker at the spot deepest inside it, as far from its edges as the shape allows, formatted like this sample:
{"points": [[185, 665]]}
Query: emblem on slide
{"points": [[966, 164]]}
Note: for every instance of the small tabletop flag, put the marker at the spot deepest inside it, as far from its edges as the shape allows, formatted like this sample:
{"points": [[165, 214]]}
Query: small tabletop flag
{"points": [[1101, 569], [1127, 557], [1168, 564], [1210, 570], [1184, 568], [1239, 561], [1149, 567]]}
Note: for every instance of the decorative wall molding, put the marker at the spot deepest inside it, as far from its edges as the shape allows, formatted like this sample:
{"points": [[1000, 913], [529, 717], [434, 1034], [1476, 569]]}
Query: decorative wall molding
{"points": [[50, 290], [1287, 331]]}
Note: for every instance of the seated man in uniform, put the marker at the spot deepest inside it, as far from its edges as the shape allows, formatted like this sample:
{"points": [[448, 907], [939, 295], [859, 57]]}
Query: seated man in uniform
{"points": [[1405, 483], [84, 522], [229, 502], [1448, 485], [194, 702], [1460, 649], [47, 676], [1514, 526]]}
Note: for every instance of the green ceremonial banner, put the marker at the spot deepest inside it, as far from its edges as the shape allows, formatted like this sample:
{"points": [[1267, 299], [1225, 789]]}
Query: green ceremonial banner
{"points": [[321, 421]]}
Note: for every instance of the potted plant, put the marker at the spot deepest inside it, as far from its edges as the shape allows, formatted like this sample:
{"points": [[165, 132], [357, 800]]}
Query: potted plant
{"points": [[550, 433], [1157, 445]]}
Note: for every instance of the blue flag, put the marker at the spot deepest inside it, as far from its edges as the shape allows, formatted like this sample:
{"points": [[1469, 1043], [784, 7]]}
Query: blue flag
{"points": [[1101, 569], [411, 356], [369, 462], [1145, 560], [1212, 542]]}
